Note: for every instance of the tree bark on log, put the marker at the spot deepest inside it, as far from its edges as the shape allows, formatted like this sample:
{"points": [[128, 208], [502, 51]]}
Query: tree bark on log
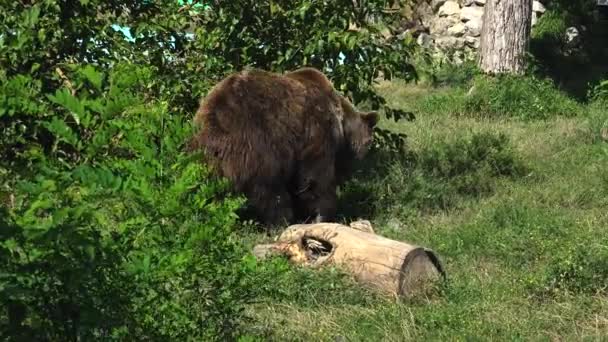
{"points": [[504, 36], [393, 267]]}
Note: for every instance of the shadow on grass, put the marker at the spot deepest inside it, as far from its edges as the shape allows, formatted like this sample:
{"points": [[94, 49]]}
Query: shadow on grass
{"points": [[572, 69], [436, 178]]}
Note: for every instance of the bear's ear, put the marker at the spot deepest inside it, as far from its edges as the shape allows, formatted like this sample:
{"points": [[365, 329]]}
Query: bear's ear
{"points": [[371, 118]]}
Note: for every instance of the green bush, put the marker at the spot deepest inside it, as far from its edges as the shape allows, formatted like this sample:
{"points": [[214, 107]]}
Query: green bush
{"points": [[599, 92], [548, 55], [441, 74], [435, 178], [456, 75], [550, 28], [597, 112], [122, 220], [523, 97], [108, 230]]}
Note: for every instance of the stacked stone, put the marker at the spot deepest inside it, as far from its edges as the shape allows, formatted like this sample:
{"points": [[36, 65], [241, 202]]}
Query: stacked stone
{"points": [[454, 27]]}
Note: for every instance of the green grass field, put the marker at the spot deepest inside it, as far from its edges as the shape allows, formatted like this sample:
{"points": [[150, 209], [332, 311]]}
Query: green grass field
{"points": [[517, 210]]}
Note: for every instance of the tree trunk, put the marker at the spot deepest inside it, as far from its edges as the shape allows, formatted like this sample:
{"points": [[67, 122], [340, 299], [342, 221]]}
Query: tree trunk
{"points": [[504, 36]]}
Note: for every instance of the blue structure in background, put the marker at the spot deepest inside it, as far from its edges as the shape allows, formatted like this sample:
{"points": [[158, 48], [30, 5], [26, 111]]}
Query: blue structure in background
{"points": [[129, 37], [127, 32]]}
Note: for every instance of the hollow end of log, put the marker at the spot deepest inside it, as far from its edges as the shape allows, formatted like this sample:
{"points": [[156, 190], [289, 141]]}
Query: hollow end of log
{"points": [[317, 250]]}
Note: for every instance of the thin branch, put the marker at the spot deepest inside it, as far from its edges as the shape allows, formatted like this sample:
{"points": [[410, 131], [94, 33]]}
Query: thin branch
{"points": [[66, 80]]}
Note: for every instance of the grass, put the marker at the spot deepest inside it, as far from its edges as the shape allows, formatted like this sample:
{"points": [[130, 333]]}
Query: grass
{"points": [[527, 98], [526, 253]]}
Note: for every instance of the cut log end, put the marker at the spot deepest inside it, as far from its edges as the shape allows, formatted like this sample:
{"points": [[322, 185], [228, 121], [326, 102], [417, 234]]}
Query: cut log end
{"points": [[421, 271]]}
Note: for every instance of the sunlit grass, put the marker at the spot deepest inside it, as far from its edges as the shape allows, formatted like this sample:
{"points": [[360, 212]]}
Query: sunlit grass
{"points": [[526, 260]]}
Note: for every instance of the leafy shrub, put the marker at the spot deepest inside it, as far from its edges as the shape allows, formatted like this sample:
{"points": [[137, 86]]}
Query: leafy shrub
{"points": [[599, 92], [443, 74], [456, 75], [434, 178], [548, 55], [521, 97], [597, 112], [525, 98], [550, 27], [108, 230], [123, 221]]}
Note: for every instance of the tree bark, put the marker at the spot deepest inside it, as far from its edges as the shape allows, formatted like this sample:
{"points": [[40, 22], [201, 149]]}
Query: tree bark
{"points": [[504, 36]]}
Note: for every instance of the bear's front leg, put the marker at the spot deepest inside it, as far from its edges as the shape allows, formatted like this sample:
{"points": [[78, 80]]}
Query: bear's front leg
{"points": [[315, 202], [313, 188], [272, 204], [326, 206]]}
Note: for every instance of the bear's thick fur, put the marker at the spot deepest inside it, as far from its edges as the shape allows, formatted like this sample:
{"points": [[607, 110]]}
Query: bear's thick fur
{"points": [[282, 140]]}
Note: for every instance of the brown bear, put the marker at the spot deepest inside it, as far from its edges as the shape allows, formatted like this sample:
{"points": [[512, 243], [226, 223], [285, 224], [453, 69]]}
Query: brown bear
{"points": [[282, 140]]}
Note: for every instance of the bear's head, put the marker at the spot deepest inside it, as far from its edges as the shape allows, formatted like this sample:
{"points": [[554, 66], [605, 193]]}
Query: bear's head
{"points": [[358, 128]]}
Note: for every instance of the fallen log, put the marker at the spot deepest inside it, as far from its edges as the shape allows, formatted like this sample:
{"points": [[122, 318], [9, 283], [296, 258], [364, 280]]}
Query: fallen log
{"points": [[393, 267]]}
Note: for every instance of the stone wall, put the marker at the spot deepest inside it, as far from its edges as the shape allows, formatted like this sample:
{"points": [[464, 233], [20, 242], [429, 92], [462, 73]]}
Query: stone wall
{"points": [[451, 27]]}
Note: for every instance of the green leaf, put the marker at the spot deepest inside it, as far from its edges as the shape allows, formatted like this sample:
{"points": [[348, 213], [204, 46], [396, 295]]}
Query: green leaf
{"points": [[92, 76], [34, 67], [62, 131], [65, 99], [32, 16], [249, 262], [146, 264], [11, 245]]}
